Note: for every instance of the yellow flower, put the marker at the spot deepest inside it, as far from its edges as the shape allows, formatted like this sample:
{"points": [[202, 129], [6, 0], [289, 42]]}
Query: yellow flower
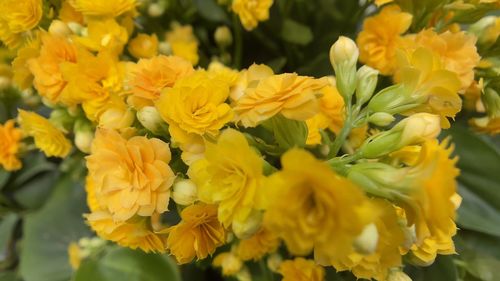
{"points": [[250, 76], [486, 124], [301, 269], [183, 43], [292, 95], [92, 201], [74, 255], [18, 17], [198, 234], [134, 233], [46, 68], [150, 76], [258, 245], [220, 71], [104, 8], [131, 177], [195, 106], [308, 200], [381, 37], [143, 46], [48, 138], [68, 14], [252, 11], [457, 51], [382, 2], [103, 35], [10, 141], [229, 262], [377, 265], [229, 175], [22, 74], [425, 77]]}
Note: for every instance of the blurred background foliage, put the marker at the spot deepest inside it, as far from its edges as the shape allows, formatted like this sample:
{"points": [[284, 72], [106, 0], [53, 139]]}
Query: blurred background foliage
{"points": [[41, 206]]}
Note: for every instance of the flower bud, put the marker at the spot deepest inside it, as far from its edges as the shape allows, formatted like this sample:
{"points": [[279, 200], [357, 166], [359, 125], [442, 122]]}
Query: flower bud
{"points": [[156, 9], [151, 120], [247, 228], [486, 29], [381, 119], [230, 263], [343, 57], [223, 36], [274, 261], [116, 118], [185, 192], [367, 81], [60, 28], [366, 242], [143, 46], [398, 275], [395, 99], [83, 140], [164, 48], [76, 28], [491, 100]]}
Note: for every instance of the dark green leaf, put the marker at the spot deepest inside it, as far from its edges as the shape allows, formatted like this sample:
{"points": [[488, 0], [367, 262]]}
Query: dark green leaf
{"points": [[9, 276], [126, 264], [296, 33], [211, 11], [49, 231], [476, 214], [6, 230], [34, 193], [443, 269]]}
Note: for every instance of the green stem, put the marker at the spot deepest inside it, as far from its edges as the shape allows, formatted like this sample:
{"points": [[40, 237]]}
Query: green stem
{"points": [[238, 47], [344, 132]]}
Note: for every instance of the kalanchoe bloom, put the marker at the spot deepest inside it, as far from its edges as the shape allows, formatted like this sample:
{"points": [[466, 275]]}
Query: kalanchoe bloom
{"points": [[16, 18], [10, 142], [301, 269], [143, 46], [318, 194], [231, 180], [230, 263], [131, 176], [252, 11], [197, 235], [183, 43], [47, 137], [104, 8], [148, 77], [261, 243]]}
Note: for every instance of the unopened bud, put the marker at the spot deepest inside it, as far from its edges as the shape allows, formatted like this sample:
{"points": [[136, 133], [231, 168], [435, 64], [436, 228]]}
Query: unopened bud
{"points": [[83, 140], [76, 28], [366, 242], [150, 118], [418, 127], [491, 101], [143, 46], [367, 81], [274, 262], [343, 57], [60, 28], [156, 9], [398, 275], [230, 263], [185, 192], [223, 36], [116, 118], [381, 119], [249, 227], [164, 48]]}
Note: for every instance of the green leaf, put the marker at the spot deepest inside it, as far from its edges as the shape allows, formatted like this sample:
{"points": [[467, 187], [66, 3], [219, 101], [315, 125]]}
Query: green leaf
{"points": [[479, 159], [7, 226], [287, 133], [211, 11], [9, 276], [443, 269], [296, 33], [126, 264], [49, 231], [4, 177], [34, 193]]}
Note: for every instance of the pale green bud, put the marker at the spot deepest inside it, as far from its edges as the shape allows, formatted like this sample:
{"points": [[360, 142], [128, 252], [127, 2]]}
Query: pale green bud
{"points": [[274, 262], [247, 228], [381, 119], [395, 99], [158, 8], [398, 275], [164, 48], [61, 119], [343, 56], [150, 118], [76, 28], [84, 135], [366, 242], [223, 36], [60, 28], [244, 275], [491, 101], [367, 81], [482, 30], [185, 192]]}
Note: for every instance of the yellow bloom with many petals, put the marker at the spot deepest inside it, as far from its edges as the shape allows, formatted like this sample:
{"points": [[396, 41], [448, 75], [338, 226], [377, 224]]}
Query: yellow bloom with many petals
{"points": [[197, 235], [309, 199], [252, 11], [102, 35], [46, 67], [426, 252], [294, 96], [22, 74], [10, 141], [377, 265], [381, 37], [131, 176], [183, 43], [457, 51], [143, 46], [18, 17], [230, 175], [47, 137], [148, 77], [301, 269], [263, 242], [103, 8]]}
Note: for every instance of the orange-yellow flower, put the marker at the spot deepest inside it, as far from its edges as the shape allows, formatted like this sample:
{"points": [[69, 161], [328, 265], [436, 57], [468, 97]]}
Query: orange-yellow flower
{"points": [[104, 35], [131, 176], [143, 46], [263, 242], [197, 235], [16, 18], [10, 141], [252, 11], [47, 137], [150, 76], [381, 37], [292, 95], [301, 269], [46, 68], [104, 8], [183, 43], [22, 74]]}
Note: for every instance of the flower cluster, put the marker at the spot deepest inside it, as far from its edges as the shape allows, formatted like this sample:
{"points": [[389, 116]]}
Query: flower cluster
{"points": [[248, 165]]}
